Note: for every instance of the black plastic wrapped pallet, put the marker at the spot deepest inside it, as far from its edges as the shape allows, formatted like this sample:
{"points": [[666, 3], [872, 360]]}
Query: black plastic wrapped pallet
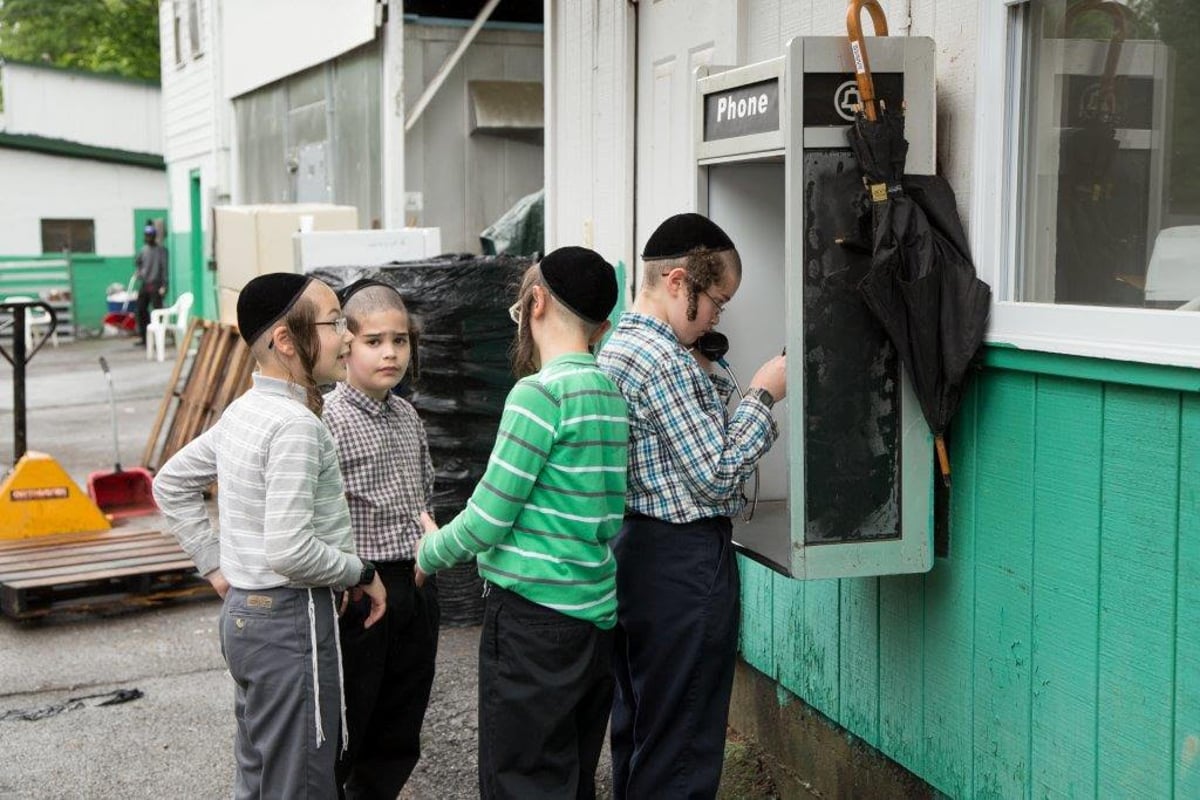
{"points": [[461, 304]]}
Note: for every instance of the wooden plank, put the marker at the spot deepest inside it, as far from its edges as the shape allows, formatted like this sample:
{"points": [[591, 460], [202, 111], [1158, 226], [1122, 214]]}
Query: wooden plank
{"points": [[858, 676], [948, 690], [1187, 642], [117, 569], [757, 641], [822, 622], [85, 539], [787, 600], [1138, 551], [1066, 586], [901, 668], [1003, 568], [51, 560], [169, 396], [83, 549]]}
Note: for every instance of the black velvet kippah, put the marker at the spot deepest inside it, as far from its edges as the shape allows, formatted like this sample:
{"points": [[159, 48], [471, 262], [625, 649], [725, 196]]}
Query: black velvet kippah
{"points": [[582, 281], [348, 291], [265, 299], [683, 233]]}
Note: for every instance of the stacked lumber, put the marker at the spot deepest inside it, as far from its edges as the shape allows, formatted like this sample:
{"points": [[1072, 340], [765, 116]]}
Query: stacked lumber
{"points": [[217, 375]]}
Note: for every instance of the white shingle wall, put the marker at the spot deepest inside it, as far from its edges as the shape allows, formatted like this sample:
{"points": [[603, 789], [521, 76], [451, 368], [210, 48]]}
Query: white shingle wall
{"points": [[590, 85]]}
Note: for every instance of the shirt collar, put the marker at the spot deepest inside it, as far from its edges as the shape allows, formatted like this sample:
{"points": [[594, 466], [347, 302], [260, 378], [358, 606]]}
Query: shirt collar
{"points": [[277, 386], [638, 319], [365, 401]]}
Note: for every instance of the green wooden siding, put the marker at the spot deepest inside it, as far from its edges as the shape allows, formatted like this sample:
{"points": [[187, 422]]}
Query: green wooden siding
{"points": [[1055, 653]]}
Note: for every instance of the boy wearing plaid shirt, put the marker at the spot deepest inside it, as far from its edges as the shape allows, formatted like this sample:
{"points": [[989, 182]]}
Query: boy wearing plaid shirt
{"points": [[677, 580], [389, 485]]}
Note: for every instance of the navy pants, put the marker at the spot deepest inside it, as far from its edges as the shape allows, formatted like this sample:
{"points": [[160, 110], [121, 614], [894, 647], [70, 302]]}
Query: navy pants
{"points": [[388, 675], [545, 692], [676, 641]]}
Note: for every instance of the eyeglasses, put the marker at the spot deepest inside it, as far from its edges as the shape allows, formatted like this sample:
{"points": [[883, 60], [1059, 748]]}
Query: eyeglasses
{"points": [[716, 303], [514, 312], [339, 325]]}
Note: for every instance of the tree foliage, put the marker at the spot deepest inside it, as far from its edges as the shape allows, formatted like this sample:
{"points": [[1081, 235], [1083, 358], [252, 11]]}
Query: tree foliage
{"points": [[114, 36]]}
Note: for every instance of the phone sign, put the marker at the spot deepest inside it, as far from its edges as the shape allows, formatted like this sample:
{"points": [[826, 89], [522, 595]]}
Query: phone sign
{"points": [[742, 111]]}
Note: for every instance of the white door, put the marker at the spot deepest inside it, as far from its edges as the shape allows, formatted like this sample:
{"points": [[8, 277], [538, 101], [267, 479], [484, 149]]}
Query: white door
{"points": [[674, 37]]}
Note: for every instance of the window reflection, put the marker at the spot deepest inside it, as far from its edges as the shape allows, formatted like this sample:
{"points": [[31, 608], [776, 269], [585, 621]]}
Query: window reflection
{"points": [[1110, 200]]}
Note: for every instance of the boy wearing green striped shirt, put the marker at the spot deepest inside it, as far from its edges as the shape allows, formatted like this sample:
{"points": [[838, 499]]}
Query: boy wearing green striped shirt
{"points": [[540, 522]]}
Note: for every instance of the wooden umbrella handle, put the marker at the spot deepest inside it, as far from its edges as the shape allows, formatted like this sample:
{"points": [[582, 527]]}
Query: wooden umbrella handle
{"points": [[858, 49], [1120, 30]]}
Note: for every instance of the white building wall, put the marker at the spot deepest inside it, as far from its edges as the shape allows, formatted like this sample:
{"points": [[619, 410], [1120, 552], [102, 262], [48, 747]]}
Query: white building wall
{"points": [[38, 186], [589, 127], [95, 110], [466, 181], [196, 118], [590, 65]]}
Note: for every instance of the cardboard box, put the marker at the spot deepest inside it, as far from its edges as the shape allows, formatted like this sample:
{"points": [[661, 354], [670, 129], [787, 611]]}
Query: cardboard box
{"points": [[227, 305], [253, 240]]}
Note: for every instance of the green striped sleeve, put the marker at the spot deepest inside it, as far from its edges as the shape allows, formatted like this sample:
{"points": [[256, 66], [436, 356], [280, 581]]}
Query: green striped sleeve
{"points": [[528, 427]]}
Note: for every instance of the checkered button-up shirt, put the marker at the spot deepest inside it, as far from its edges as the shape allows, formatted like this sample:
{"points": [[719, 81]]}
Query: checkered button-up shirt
{"points": [[386, 466], [688, 457]]}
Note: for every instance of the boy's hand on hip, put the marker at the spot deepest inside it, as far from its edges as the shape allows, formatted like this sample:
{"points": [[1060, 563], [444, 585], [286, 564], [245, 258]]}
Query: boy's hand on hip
{"points": [[419, 576], [378, 594], [218, 582]]}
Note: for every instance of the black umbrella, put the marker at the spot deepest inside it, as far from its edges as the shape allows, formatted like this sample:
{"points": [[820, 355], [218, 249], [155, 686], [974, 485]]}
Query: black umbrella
{"points": [[921, 284]]}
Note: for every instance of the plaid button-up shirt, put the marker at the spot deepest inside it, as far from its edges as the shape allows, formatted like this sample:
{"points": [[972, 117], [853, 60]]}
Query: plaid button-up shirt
{"points": [[688, 457], [386, 466]]}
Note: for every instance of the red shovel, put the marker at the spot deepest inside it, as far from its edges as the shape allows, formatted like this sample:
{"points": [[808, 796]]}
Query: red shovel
{"points": [[122, 492]]}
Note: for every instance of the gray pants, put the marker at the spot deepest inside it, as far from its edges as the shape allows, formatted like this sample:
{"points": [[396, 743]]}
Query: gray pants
{"points": [[267, 641]]}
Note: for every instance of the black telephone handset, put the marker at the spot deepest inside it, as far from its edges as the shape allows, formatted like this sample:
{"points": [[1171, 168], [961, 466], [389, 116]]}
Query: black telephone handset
{"points": [[713, 346]]}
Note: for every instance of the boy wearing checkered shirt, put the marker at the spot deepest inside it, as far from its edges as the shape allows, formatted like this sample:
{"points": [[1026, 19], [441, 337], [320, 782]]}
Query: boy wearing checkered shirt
{"points": [[385, 461], [677, 579]]}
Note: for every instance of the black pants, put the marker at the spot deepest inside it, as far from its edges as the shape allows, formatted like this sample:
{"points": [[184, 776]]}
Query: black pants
{"points": [[148, 297], [545, 692], [388, 674], [678, 607]]}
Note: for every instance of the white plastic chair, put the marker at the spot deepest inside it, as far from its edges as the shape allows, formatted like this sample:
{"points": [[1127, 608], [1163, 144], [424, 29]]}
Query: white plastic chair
{"points": [[35, 318], [174, 319]]}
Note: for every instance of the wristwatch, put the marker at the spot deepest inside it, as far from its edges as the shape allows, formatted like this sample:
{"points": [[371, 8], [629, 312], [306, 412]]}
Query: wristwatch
{"points": [[762, 394], [368, 573]]}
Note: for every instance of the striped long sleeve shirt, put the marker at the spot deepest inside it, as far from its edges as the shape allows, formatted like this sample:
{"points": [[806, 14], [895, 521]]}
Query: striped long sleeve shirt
{"points": [[282, 505], [688, 457], [552, 496]]}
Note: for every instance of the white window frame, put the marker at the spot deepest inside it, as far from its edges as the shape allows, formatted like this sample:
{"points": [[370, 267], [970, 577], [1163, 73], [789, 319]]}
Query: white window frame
{"points": [[1122, 334]]}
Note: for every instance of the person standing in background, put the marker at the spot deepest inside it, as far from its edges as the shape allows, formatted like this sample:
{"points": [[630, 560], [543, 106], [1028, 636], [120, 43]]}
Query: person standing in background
{"points": [[151, 271]]}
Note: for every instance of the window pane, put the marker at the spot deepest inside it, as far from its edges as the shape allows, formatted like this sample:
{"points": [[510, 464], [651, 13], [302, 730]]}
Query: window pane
{"points": [[68, 235], [1110, 153]]}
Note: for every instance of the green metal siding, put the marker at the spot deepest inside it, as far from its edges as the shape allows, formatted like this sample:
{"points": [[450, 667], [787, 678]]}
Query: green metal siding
{"points": [[1056, 651]]}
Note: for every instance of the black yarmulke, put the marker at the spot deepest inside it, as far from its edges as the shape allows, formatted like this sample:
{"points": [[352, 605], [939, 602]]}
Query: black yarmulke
{"points": [[265, 299], [582, 281], [683, 233], [348, 291]]}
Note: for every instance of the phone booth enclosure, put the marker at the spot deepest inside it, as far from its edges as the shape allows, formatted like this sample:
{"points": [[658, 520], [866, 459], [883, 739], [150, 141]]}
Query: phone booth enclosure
{"points": [[847, 489]]}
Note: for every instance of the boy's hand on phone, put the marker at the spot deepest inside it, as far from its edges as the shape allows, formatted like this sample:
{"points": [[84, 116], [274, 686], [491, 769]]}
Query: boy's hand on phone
{"points": [[378, 594], [772, 376]]}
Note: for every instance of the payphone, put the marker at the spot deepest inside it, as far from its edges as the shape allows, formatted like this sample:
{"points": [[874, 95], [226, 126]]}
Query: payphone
{"points": [[847, 490]]}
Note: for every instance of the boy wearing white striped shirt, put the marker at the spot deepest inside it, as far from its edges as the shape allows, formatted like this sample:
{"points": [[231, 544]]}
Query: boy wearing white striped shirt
{"points": [[540, 521], [284, 540]]}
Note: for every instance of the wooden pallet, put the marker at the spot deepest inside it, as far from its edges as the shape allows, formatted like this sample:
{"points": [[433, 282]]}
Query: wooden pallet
{"points": [[218, 374], [93, 572]]}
